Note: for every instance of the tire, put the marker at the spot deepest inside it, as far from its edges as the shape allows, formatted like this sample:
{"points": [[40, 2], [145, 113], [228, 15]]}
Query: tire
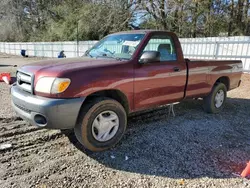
{"points": [[211, 103], [98, 110]]}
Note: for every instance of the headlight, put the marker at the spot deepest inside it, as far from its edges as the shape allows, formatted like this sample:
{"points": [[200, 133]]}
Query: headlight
{"points": [[52, 85]]}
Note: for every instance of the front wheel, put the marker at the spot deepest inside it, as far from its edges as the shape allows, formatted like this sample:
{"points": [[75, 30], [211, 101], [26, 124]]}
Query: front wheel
{"points": [[215, 101], [101, 124]]}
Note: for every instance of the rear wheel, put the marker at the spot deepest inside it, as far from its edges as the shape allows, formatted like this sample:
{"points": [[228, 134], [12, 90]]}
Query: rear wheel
{"points": [[101, 124], [215, 101]]}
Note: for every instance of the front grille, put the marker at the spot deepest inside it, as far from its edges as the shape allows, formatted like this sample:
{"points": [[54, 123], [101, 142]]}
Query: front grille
{"points": [[23, 108], [24, 81]]}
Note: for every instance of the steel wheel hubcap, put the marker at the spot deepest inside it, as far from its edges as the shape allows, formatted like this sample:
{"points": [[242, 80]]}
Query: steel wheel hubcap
{"points": [[105, 126], [219, 98]]}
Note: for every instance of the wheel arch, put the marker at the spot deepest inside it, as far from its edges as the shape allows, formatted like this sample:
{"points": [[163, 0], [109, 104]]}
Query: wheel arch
{"points": [[225, 80], [113, 94]]}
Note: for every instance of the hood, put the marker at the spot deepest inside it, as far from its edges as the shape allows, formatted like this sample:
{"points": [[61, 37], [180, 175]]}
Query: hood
{"points": [[60, 66]]}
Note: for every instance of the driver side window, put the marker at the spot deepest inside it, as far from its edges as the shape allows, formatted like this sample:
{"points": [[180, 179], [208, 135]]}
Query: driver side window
{"points": [[163, 44]]}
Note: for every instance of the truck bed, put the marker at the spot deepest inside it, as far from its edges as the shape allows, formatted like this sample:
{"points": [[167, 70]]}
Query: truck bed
{"points": [[203, 73]]}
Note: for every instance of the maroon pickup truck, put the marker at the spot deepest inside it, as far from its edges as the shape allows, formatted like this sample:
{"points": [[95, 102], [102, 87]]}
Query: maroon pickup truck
{"points": [[123, 73]]}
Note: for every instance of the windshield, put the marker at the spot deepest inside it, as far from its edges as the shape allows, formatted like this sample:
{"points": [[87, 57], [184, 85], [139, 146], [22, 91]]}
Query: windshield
{"points": [[118, 46]]}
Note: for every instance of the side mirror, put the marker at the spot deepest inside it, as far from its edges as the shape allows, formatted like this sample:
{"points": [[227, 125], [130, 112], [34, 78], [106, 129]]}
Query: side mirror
{"points": [[150, 57]]}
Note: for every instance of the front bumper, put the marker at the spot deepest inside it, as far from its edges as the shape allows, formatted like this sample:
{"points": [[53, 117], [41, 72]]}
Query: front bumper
{"points": [[46, 112]]}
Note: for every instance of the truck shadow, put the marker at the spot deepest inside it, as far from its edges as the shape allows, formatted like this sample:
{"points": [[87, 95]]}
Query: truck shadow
{"points": [[193, 144]]}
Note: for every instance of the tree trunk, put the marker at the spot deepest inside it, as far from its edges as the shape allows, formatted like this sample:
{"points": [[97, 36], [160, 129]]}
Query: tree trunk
{"points": [[163, 15], [195, 20], [239, 16], [230, 25], [176, 20], [181, 20], [208, 19], [246, 19]]}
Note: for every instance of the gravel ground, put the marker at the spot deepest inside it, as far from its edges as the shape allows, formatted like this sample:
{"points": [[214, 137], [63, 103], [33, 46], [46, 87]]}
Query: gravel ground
{"points": [[194, 149]]}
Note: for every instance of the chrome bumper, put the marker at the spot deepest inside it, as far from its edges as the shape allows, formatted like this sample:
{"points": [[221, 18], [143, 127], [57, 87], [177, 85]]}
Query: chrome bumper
{"points": [[46, 112]]}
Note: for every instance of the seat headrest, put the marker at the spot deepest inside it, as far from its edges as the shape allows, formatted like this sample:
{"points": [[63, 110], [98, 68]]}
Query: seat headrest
{"points": [[164, 47]]}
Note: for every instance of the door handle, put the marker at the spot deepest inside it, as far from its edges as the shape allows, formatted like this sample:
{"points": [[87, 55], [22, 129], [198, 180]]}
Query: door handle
{"points": [[176, 69]]}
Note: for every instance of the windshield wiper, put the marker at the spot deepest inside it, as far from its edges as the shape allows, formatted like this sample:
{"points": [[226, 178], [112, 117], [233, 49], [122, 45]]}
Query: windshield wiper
{"points": [[88, 54], [107, 56]]}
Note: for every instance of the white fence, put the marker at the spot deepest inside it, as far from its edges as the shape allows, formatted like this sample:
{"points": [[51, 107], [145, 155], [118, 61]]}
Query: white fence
{"points": [[230, 48], [46, 49]]}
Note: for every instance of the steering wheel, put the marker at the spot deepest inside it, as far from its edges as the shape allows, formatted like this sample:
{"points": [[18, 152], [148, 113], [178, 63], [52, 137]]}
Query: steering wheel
{"points": [[106, 50]]}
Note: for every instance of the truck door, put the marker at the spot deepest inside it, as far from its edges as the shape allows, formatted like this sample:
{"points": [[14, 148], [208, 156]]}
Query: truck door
{"points": [[161, 82]]}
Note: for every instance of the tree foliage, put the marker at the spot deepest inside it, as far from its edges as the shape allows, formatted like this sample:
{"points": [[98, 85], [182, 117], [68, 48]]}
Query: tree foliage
{"points": [[63, 20], [53, 20], [192, 18]]}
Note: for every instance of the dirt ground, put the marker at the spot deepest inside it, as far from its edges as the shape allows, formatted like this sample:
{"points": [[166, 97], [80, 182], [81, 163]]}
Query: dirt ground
{"points": [[194, 149]]}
